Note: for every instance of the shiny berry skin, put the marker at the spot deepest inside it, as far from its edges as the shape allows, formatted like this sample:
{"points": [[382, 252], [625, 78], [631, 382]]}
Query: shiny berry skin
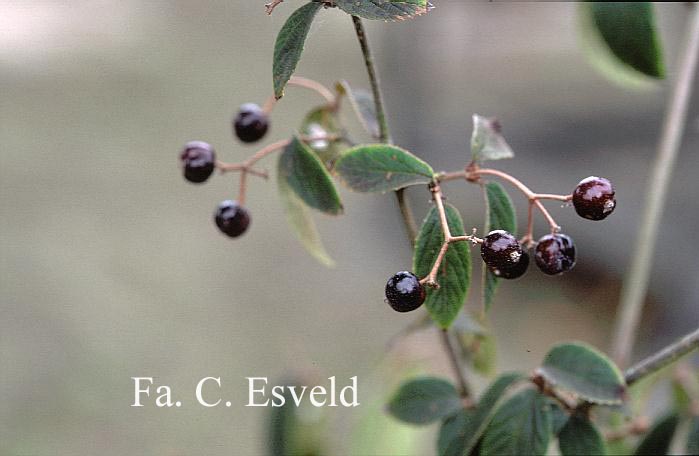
{"points": [[198, 160], [251, 123], [555, 254], [513, 272], [404, 292], [593, 198], [501, 250], [232, 218]]}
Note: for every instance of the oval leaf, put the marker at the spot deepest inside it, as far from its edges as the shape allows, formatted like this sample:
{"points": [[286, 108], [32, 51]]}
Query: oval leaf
{"points": [[499, 215], [522, 425], [322, 121], [487, 142], [460, 434], [632, 58], [307, 177], [364, 107], [424, 400], [381, 167], [584, 371], [301, 223], [289, 45], [580, 436], [658, 439], [628, 30], [385, 10], [454, 276]]}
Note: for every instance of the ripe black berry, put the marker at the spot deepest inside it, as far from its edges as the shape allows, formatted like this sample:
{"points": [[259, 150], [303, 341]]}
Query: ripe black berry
{"points": [[501, 250], [513, 272], [251, 123], [404, 292], [198, 159], [555, 254], [593, 198], [232, 218]]}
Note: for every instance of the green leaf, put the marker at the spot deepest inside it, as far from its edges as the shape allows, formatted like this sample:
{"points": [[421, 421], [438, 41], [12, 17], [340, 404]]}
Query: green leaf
{"points": [[584, 371], [362, 103], [452, 434], [487, 142], [424, 400], [693, 436], [322, 121], [499, 215], [302, 224], [658, 439], [454, 276], [289, 45], [601, 56], [380, 168], [460, 434], [385, 10], [580, 436], [629, 31], [307, 177], [522, 425]]}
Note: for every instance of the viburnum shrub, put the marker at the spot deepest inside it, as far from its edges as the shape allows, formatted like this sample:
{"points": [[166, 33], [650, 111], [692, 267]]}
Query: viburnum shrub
{"points": [[516, 414]]}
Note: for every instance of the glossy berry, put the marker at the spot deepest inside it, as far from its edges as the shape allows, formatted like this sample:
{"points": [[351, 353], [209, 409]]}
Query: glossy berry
{"points": [[501, 250], [555, 254], [251, 123], [198, 160], [513, 272], [593, 198], [232, 218], [404, 292]]}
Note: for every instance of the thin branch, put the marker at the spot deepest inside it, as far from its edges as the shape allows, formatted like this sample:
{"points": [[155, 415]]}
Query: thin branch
{"points": [[242, 187], [477, 172], [528, 238], [662, 358], [437, 197], [555, 227], [473, 173], [455, 361], [384, 134], [406, 213], [455, 175], [636, 284], [237, 167]]}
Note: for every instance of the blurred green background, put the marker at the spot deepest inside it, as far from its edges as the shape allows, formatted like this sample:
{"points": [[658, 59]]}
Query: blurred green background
{"points": [[111, 267]]}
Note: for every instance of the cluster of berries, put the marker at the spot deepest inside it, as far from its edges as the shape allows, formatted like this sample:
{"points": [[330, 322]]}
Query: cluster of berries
{"points": [[199, 162], [593, 199]]}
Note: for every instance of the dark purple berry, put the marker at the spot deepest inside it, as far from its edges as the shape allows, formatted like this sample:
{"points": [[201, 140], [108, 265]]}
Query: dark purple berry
{"points": [[513, 272], [198, 160], [232, 218], [555, 254], [404, 292], [501, 250], [593, 198], [251, 123]]}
